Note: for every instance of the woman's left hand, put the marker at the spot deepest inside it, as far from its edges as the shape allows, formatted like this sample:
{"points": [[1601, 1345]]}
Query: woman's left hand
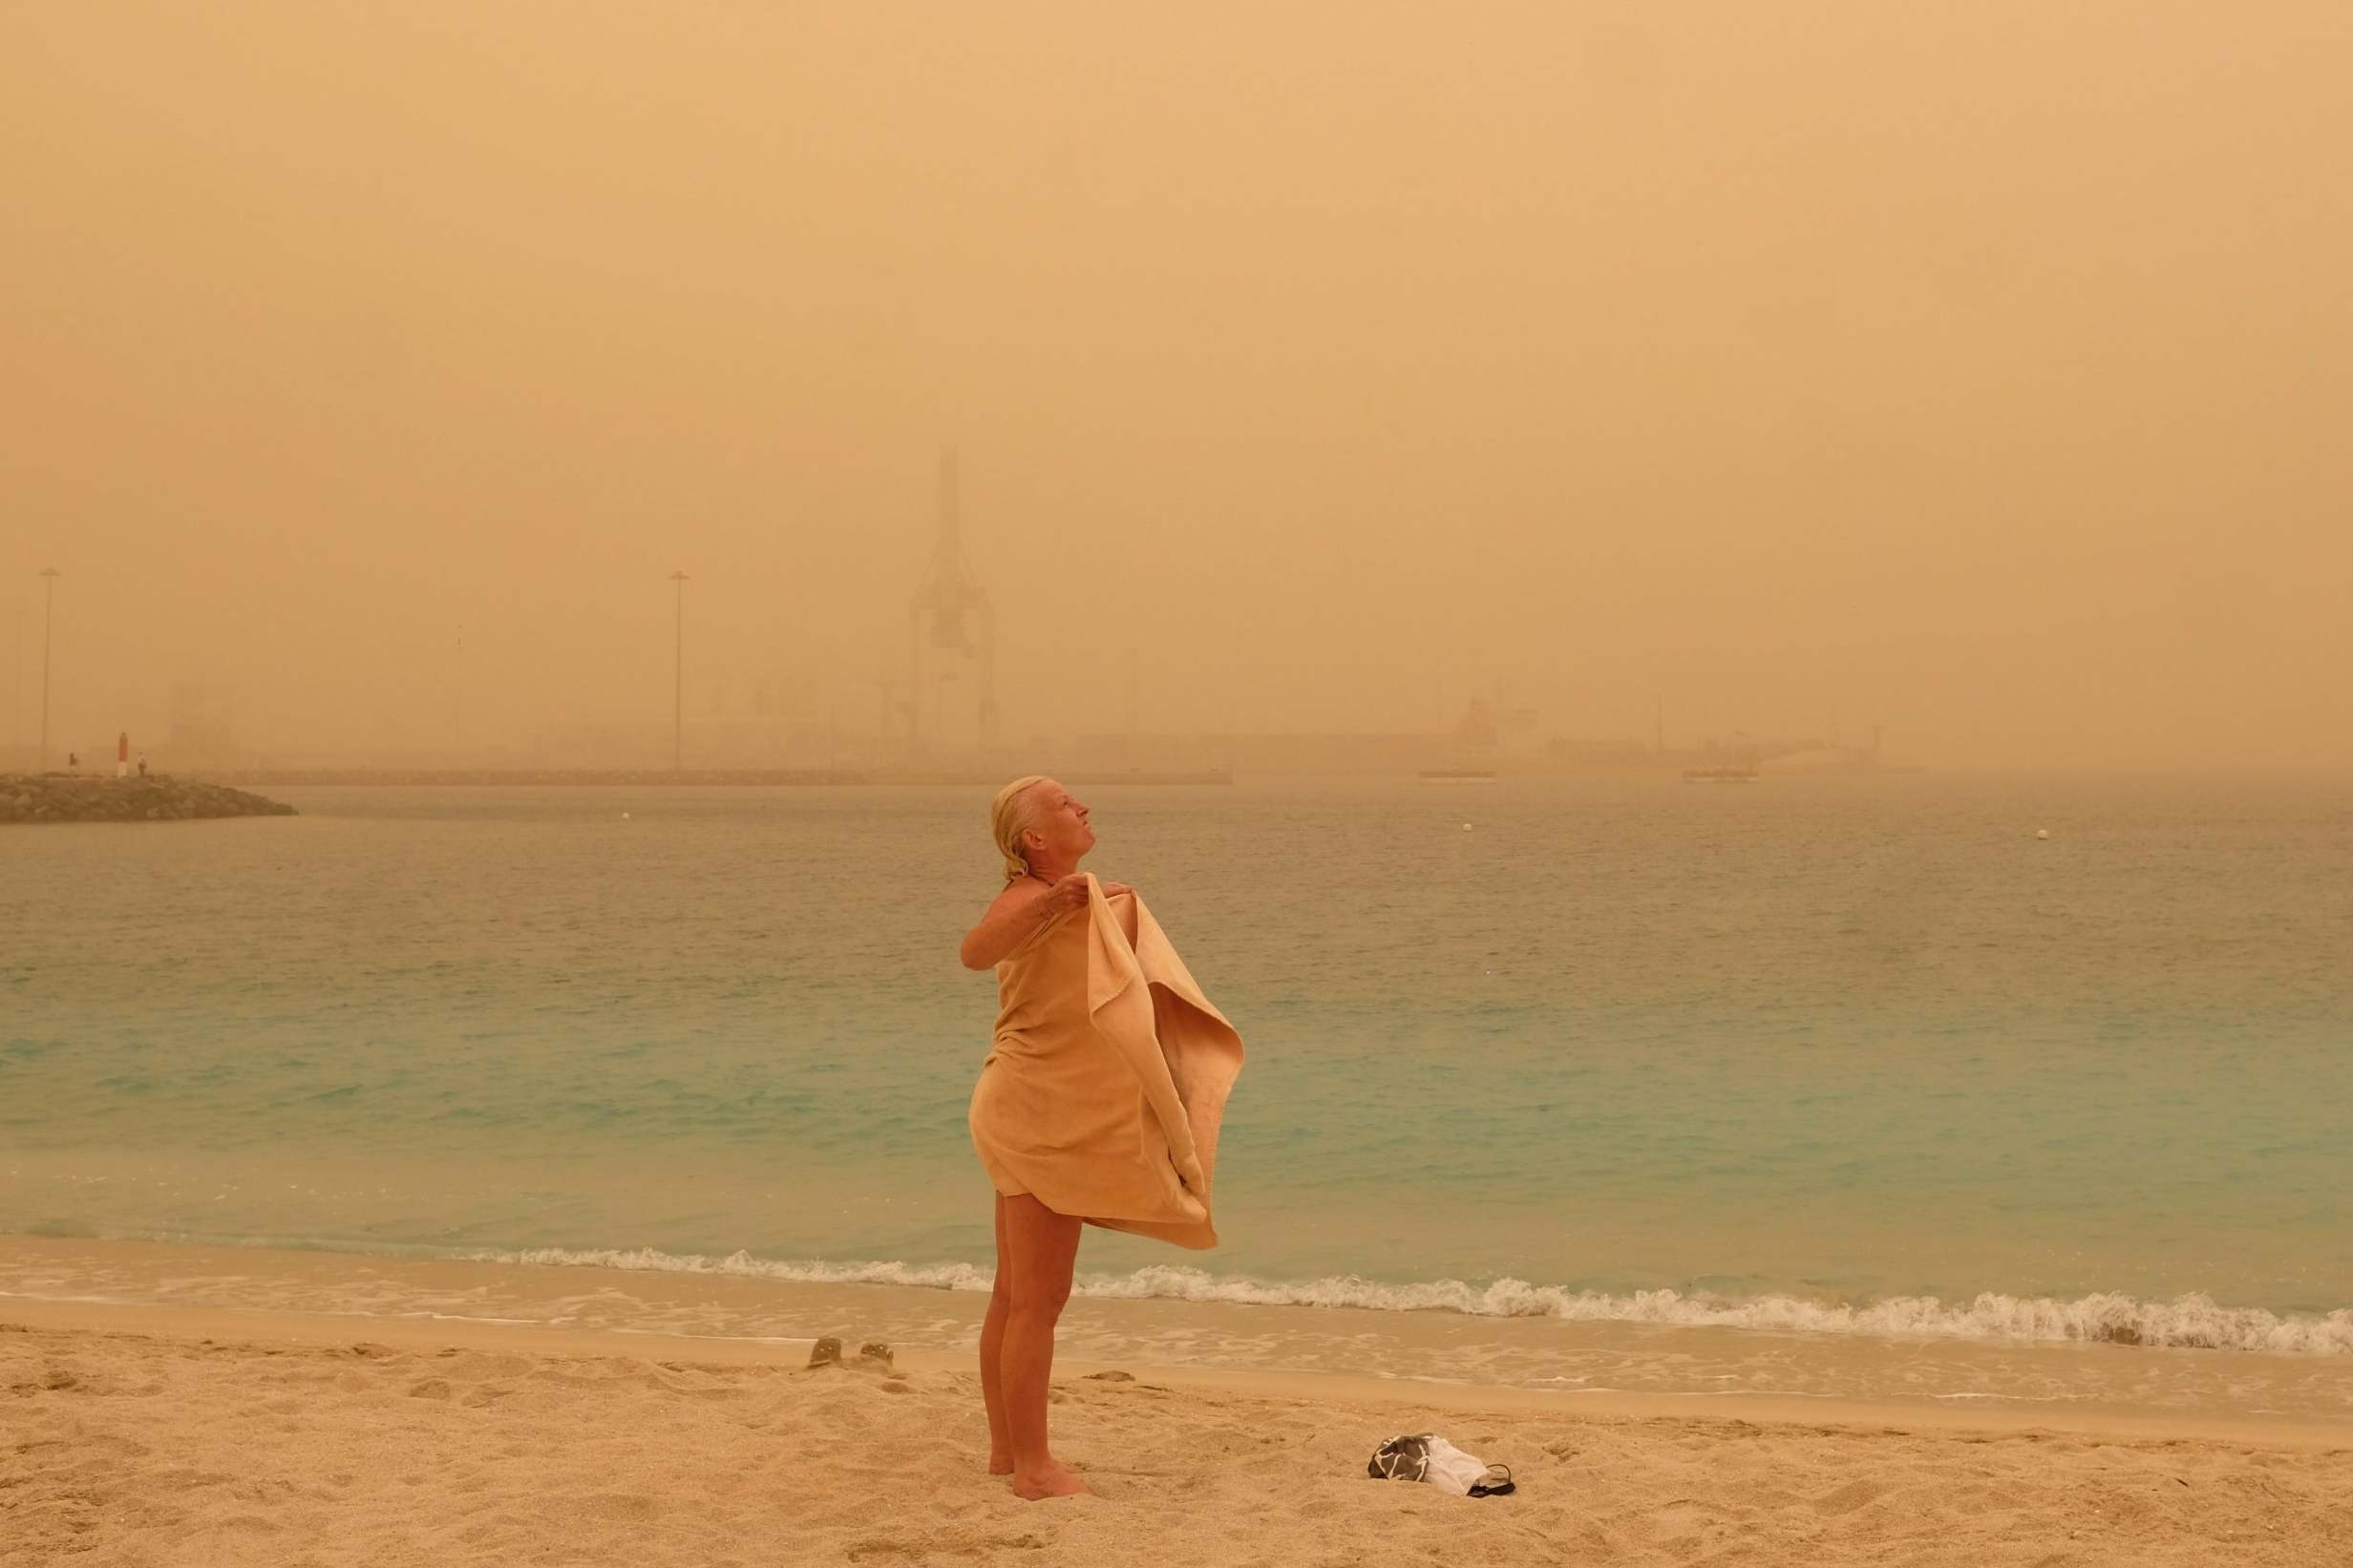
{"points": [[1112, 890]]}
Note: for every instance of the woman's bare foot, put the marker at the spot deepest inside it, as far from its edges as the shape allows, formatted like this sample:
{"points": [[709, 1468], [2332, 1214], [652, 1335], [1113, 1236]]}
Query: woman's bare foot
{"points": [[1051, 1482], [1000, 1462]]}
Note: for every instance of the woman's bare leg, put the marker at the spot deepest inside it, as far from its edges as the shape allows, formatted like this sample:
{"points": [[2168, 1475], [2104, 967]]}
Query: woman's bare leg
{"points": [[993, 1352], [1042, 1247]]}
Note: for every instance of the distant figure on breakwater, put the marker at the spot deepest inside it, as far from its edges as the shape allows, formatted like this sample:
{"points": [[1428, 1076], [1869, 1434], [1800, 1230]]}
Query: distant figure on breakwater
{"points": [[142, 765]]}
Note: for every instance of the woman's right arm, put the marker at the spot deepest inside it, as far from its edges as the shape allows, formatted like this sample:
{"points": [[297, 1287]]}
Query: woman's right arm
{"points": [[1016, 912]]}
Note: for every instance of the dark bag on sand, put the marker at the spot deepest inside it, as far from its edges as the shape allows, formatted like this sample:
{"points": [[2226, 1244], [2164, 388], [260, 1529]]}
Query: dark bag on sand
{"points": [[1426, 1456]]}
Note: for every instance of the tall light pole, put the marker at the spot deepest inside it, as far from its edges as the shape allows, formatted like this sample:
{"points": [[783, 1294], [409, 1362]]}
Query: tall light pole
{"points": [[457, 699], [678, 687], [49, 617]]}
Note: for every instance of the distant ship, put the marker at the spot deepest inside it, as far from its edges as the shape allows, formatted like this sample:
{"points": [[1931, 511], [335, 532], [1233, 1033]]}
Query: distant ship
{"points": [[1720, 775]]}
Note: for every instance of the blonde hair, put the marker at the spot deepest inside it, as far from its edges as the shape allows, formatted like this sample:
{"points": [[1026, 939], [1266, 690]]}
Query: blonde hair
{"points": [[1008, 818]]}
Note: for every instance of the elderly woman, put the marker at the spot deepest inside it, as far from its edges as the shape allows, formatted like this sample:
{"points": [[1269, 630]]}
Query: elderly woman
{"points": [[1098, 1104]]}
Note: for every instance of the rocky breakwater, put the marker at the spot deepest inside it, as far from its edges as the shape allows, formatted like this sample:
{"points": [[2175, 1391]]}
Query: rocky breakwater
{"points": [[82, 797]]}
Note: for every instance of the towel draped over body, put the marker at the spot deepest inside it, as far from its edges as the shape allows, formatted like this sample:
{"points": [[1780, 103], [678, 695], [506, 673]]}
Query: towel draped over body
{"points": [[1102, 1094]]}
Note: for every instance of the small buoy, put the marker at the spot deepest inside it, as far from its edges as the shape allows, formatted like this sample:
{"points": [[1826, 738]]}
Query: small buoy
{"points": [[1466, 827], [625, 817], [2042, 833]]}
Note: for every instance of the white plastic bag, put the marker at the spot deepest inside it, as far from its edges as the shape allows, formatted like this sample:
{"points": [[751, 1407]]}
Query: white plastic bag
{"points": [[1426, 1456]]}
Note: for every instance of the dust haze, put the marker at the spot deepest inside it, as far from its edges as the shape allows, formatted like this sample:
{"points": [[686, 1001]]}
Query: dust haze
{"points": [[1977, 370]]}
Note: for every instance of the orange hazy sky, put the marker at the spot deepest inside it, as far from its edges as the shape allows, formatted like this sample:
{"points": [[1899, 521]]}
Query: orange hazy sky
{"points": [[1982, 369]]}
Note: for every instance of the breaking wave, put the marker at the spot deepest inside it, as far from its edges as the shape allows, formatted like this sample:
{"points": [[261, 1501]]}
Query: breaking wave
{"points": [[2191, 1321]]}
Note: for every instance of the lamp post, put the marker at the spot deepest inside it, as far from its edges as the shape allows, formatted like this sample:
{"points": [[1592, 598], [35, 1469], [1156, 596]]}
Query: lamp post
{"points": [[678, 683], [458, 700], [49, 617]]}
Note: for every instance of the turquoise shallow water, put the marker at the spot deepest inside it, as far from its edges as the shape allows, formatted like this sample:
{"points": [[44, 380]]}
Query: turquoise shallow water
{"points": [[1806, 1052]]}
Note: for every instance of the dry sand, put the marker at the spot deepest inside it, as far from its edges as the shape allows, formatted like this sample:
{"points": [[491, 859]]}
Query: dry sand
{"points": [[172, 1438]]}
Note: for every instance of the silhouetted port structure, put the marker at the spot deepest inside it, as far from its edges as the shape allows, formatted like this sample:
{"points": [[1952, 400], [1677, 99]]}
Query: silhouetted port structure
{"points": [[951, 617]]}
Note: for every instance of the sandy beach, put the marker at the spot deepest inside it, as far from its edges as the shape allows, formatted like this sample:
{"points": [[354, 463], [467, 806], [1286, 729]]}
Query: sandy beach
{"points": [[164, 1435]]}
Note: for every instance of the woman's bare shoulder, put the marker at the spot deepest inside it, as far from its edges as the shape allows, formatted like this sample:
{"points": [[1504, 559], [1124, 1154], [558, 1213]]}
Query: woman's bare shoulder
{"points": [[1028, 891]]}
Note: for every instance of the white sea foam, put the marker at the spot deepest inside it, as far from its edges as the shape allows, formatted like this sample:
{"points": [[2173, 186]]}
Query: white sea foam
{"points": [[924, 1276], [2194, 1321]]}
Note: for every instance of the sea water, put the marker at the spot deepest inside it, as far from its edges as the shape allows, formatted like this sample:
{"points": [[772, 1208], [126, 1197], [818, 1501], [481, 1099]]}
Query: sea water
{"points": [[1859, 1058]]}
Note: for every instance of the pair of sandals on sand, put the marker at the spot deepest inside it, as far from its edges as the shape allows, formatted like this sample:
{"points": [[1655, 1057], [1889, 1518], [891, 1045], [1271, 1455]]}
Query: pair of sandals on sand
{"points": [[1426, 1456]]}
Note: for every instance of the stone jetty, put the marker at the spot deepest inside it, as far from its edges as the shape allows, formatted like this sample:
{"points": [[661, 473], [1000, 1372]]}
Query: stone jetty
{"points": [[669, 777], [86, 797]]}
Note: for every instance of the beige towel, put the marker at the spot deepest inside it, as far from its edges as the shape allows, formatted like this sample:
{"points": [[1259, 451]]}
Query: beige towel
{"points": [[1109, 1076]]}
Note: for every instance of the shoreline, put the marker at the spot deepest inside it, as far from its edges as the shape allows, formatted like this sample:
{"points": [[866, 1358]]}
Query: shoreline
{"points": [[262, 1327], [1332, 1355]]}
